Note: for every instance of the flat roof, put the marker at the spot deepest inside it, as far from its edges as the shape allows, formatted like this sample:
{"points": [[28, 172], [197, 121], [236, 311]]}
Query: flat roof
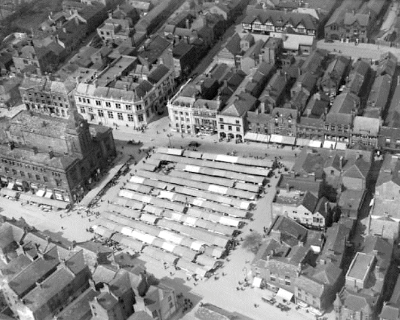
{"points": [[360, 266]]}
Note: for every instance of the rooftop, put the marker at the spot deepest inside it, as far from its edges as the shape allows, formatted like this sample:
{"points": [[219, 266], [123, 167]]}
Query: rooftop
{"points": [[360, 266]]}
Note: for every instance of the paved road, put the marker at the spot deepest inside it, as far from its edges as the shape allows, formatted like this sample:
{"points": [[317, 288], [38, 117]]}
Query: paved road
{"points": [[362, 50]]}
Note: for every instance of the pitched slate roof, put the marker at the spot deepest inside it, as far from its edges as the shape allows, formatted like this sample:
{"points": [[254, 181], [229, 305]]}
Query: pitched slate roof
{"points": [[357, 169], [233, 45], [360, 18], [281, 18]]}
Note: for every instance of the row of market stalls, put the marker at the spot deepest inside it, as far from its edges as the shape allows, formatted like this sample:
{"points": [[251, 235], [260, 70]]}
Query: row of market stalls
{"points": [[39, 198], [188, 221], [161, 244], [293, 141]]}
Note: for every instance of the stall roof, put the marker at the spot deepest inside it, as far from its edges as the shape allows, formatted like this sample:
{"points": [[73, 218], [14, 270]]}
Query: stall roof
{"points": [[214, 251], [137, 187], [127, 212], [124, 202], [202, 178], [207, 261], [192, 154], [102, 231], [172, 151], [128, 242], [160, 255], [185, 252], [192, 268], [149, 218]]}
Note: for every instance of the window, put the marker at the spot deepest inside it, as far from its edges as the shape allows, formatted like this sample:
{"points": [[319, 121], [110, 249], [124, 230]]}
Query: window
{"points": [[110, 114], [237, 129], [139, 107], [22, 173], [119, 115], [101, 113], [220, 119], [221, 126], [230, 128], [37, 177], [108, 104], [287, 280], [83, 110], [90, 109], [45, 179], [272, 278], [130, 117], [98, 103], [237, 121], [80, 99], [140, 117]]}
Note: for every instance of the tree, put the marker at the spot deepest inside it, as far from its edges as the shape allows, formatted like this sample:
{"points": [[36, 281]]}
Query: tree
{"points": [[252, 242]]}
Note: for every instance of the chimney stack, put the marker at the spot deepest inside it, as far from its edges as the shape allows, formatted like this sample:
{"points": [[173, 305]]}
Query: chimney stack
{"points": [[51, 154]]}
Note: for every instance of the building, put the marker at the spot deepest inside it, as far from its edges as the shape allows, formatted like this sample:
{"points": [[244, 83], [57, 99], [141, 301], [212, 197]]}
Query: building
{"points": [[47, 285], [115, 31], [366, 281], [335, 75], [365, 132], [46, 96], [205, 114], [116, 97], [355, 173], [232, 119], [334, 26], [316, 287], [274, 21], [289, 249], [339, 120], [384, 218], [311, 125], [303, 207], [9, 91], [378, 97], [389, 136], [207, 310], [59, 158], [130, 294], [359, 78], [391, 308]]}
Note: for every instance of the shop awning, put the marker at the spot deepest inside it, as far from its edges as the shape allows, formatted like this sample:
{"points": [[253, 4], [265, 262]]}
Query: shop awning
{"points": [[257, 282], [41, 200], [315, 144], [250, 136], [276, 138], [40, 193], [263, 138], [302, 142], [315, 311], [9, 193], [329, 144], [284, 294], [288, 140], [48, 194], [341, 146]]}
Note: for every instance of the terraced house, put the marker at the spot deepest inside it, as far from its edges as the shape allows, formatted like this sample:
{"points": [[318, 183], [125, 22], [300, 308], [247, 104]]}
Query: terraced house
{"points": [[270, 21]]}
